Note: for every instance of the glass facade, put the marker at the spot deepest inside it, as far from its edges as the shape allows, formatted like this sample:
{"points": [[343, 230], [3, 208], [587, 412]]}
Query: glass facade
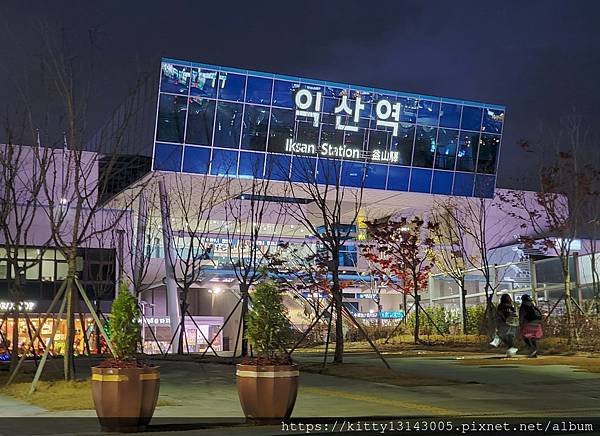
{"points": [[218, 120]]}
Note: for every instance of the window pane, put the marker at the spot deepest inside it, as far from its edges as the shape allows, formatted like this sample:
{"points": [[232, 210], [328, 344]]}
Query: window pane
{"points": [[355, 140], [484, 185], [277, 167], [404, 142], [429, 112], [259, 90], [420, 180], [488, 153], [303, 169], [167, 157], [471, 118], [204, 83], [61, 270], [450, 115], [331, 135], [398, 178], [283, 93], [353, 174], [308, 134], [409, 107], [463, 184], [447, 144], [376, 176], [442, 182], [492, 120], [251, 164], [196, 160], [256, 125], [228, 125], [231, 86], [379, 140], [33, 271], [171, 118], [328, 171], [201, 116], [282, 129], [175, 79], [47, 270], [424, 146], [467, 151], [224, 162], [3, 270]]}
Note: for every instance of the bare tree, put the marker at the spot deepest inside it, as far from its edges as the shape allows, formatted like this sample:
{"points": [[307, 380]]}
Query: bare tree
{"points": [[75, 188], [555, 215], [193, 201], [254, 225], [21, 182], [452, 249], [331, 217]]}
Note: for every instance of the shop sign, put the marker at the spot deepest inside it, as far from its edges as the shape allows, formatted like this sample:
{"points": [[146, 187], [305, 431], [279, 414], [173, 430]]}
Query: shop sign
{"points": [[366, 315], [24, 306], [158, 321], [382, 315], [392, 314]]}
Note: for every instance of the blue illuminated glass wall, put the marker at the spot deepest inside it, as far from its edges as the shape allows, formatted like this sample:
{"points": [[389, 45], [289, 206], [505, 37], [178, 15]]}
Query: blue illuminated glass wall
{"points": [[218, 120]]}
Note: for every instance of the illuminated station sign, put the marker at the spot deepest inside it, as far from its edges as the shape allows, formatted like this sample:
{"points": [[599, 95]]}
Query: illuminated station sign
{"points": [[225, 121]]}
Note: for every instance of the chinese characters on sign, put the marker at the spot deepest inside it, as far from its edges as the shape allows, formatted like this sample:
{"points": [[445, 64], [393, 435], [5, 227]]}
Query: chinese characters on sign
{"points": [[347, 118]]}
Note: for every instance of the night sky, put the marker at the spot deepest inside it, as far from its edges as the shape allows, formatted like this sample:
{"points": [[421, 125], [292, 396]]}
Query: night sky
{"points": [[541, 59]]}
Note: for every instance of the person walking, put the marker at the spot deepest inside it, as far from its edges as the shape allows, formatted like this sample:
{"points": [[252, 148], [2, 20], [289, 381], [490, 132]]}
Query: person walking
{"points": [[507, 322], [530, 321]]}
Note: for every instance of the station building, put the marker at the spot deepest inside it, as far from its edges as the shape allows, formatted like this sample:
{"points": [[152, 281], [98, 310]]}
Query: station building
{"points": [[198, 128]]}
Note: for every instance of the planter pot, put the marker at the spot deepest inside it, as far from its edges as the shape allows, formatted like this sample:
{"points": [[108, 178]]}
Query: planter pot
{"points": [[125, 398], [267, 393]]}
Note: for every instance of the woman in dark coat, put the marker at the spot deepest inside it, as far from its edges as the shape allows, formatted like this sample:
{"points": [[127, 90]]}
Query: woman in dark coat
{"points": [[530, 320], [506, 323]]}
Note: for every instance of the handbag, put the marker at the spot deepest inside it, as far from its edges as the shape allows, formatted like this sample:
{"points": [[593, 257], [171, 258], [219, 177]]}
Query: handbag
{"points": [[496, 341]]}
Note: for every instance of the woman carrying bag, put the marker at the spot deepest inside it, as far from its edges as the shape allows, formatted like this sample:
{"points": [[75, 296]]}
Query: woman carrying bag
{"points": [[530, 318], [507, 323]]}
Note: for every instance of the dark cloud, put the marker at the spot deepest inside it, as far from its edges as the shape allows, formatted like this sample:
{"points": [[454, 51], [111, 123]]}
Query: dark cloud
{"points": [[539, 58]]}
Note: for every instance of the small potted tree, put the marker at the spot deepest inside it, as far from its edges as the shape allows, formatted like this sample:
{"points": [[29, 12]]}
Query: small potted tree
{"points": [[267, 384], [124, 389]]}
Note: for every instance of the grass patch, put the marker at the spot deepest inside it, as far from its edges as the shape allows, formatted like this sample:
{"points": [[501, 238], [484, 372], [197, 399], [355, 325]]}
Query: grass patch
{"points": [[582, 363], [404, 344], [60, 395], [375, 374]]}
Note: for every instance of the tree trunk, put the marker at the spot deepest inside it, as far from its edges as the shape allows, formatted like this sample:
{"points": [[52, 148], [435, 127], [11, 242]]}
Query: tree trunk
{"points": [[568, 306], [70, 333], [336, 292], [417, 307], [183, 310], [16, 297], [244, 291], [14, 353], [405, 304], [97, 330], [463, 298]]}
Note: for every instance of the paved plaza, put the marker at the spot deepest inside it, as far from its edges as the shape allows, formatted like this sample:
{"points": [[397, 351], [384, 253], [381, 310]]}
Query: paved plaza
{"points": [[203, 395]]}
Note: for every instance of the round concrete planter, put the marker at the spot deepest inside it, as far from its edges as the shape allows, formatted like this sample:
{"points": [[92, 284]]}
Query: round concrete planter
{"points": [[267, 392], [125, 398]]}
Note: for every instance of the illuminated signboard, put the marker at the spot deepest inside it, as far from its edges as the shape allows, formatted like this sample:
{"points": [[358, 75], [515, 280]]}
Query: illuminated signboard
{"points": [[225, 121], [24, 306], [382, 315]]}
